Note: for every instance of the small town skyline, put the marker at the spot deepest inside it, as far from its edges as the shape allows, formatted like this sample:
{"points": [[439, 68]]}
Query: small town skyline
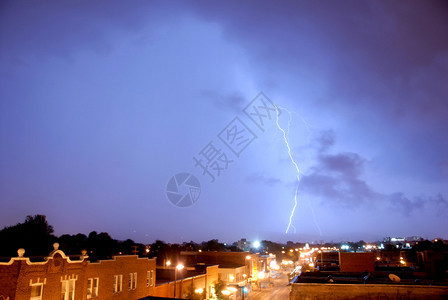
{"points": [[187, 121], [249, 244]]}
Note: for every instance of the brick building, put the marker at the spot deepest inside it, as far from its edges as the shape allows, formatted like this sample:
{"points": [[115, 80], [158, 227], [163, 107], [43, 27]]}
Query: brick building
{"points": [[60, 277], [191, 282], [357, 262], [237, 270], [249, 260]]}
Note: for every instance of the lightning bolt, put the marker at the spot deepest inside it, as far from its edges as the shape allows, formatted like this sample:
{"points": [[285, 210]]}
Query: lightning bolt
{"points": [[294, 163]]}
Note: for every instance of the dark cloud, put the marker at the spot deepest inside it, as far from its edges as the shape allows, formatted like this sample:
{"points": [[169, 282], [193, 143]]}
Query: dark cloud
{"points": [[234, 101], [398, 201], [372, 71], [258, 178], [348, 164], [62, 28], [325, 140], [372, 62], [334, 185], [337, 179], [438, 205]]}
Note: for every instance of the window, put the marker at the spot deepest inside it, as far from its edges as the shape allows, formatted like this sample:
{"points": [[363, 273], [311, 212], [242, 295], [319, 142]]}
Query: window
{"points": [[68, 289], [92, 287], [150, 278], [132, 281], [118, 280], [36, 291]]}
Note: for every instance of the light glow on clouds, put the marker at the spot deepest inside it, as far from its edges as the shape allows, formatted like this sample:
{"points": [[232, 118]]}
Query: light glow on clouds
{"points": [[101, 103]]}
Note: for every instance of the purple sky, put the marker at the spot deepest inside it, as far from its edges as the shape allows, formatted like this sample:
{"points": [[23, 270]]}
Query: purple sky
{"points": [[103, 102]]}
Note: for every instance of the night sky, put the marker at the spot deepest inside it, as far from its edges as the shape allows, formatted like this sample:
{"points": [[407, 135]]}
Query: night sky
{"points": [[102, 102]]}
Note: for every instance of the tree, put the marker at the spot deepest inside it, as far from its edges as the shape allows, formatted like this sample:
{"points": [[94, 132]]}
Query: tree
{"points": [[73, 244], [101, 246], [159, 249], [219, 287], [35, 235], [213, 245], [191, 246]]}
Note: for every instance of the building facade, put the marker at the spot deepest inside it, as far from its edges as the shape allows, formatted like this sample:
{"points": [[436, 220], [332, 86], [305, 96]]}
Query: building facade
{"points": [[59, 277]]}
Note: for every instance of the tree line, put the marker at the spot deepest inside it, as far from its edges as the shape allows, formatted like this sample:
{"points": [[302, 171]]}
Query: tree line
{"points": [[36, 236]]}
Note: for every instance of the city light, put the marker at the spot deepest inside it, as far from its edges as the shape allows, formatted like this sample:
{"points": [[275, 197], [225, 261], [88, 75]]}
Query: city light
{"points": [[274, 265], [179, 267], [199, 291], [248, 257], [257, 244], [168, 263], [261, 275]]}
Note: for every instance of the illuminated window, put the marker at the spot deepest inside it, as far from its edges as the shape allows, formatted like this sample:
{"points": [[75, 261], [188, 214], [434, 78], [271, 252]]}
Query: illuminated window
{"points": [[36, 291], [68, 289], [150, 278], [132, 281], [92, 287], [118, 281]]}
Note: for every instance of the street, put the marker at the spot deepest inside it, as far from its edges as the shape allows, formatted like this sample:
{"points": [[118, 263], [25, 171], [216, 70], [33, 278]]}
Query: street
{"points": [[279, 291]]}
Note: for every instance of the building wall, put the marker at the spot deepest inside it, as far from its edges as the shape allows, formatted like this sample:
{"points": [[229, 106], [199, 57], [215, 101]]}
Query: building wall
{"points": [[123, 265], [232, 275], [312, 291], [188, 285], [211, 278], [164, 290], [9, 274], [50, 273], [356, 262], [223, 258], [216, 258], [19, 274]]}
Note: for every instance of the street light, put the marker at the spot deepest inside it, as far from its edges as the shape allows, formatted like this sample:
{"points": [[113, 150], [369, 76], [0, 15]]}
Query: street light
{"points": [[178, 268]]}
